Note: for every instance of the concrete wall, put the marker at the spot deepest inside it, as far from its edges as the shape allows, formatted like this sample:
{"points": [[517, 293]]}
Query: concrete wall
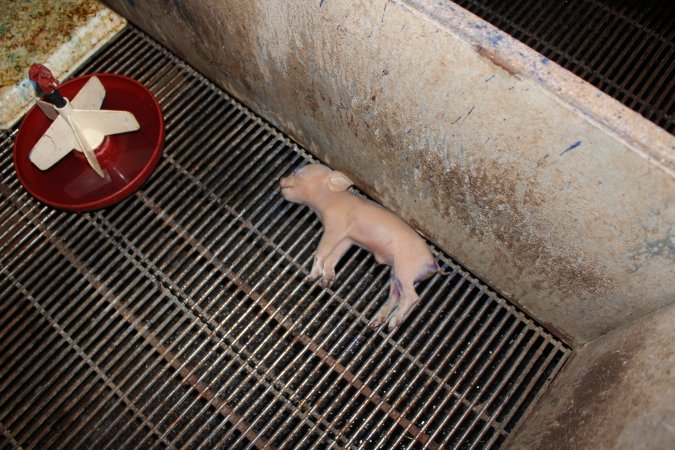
{"points": [[555, 194], [616, 393]]}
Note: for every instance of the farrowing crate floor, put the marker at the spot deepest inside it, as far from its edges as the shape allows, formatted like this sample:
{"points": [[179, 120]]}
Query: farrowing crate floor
{"points": [[182, 318]]}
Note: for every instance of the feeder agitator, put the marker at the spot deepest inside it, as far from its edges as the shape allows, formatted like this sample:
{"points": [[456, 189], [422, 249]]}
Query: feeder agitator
{"points": [[78, 124]]}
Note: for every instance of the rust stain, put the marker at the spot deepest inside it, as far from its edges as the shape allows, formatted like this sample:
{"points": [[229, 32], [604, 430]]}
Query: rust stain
{"points": [[485, 199], [593, 391], [556, 331], [199, 38], [497, 60], [421, 229]]}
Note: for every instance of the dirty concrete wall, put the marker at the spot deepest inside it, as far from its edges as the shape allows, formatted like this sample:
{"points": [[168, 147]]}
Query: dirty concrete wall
{"points": [[616, 393], [554, 193]]}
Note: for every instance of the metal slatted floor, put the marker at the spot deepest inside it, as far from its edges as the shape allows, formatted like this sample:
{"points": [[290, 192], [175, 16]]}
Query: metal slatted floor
{"points": [[625, 48], [182, 318]]}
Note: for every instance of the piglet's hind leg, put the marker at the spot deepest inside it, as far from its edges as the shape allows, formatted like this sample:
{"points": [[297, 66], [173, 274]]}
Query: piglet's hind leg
{"points": [[409, 273], [383, 313], [408, 299]]}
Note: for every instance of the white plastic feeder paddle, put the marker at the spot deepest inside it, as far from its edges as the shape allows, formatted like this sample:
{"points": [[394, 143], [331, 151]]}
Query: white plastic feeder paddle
{"points": [[79, 124]]}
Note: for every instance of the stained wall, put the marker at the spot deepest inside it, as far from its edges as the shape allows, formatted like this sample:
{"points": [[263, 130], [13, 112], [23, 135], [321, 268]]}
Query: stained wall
{"points": [[558, 196]]}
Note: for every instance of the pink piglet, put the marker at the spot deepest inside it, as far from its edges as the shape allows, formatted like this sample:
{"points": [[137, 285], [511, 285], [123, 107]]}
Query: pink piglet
{"points": [[347, 220]]}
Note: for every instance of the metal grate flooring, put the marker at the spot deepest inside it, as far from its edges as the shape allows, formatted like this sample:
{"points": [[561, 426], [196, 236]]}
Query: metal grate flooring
{"points": [[625, 48], [181, 317]]}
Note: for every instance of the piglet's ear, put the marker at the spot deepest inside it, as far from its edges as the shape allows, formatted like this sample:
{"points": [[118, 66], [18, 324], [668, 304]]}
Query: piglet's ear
{"points": [[338, 181]]}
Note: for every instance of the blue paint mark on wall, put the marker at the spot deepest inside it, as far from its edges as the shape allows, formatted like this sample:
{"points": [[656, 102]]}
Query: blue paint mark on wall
{"points": [[495, 39], [571, 147], [545, 60], [652, 250], [321, 3]]}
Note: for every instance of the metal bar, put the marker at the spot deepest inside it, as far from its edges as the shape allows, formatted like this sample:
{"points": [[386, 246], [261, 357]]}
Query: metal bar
{"points": [[462, 379], [24, 364], [612, 11], [395, 367], [204, 250], [8, 435], [311, 346], [80, 352], [399, 379], [187, 375], [513, 408], [647, 84], [339, 400], [561, 359], [471, 327], [451, 414], [515, 384], [334, 361], [74, 346], [500, 384]]}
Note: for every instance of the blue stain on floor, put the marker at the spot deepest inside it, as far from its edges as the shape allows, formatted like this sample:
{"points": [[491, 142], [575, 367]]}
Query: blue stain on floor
{"points": [[571, 147]]}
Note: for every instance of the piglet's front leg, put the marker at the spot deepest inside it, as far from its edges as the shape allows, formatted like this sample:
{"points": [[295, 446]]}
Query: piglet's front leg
{"points": [[331, 261], [332, 247]]}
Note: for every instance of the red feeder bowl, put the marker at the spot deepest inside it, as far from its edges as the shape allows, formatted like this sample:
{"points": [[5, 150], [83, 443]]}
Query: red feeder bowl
{"points": [[128, 158]]}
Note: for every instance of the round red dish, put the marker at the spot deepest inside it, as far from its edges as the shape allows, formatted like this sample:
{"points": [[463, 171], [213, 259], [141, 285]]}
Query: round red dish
{"points": [[128, 159]]}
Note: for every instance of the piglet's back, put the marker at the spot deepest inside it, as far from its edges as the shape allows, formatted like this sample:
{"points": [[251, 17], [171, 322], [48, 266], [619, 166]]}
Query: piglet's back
{"points": [[382, 232]]}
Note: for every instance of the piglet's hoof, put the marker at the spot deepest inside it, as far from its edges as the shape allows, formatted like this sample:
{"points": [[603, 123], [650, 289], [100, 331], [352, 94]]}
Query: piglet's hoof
{"points": [[396, 319], [310, 279], [325, 282], [314, 274], [328, 278], [382, 315]]}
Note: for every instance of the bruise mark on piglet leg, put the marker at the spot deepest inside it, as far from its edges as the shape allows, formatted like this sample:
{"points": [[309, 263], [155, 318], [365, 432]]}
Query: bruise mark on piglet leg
{"points": [[406, 287], [428, 271]]}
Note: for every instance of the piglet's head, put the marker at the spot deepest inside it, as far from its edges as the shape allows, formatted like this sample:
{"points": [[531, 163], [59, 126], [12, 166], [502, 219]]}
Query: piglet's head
{"points": [[312, 183]]}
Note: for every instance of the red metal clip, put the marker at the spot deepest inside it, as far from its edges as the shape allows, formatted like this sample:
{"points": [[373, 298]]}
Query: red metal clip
{"points": [[43, 77]]}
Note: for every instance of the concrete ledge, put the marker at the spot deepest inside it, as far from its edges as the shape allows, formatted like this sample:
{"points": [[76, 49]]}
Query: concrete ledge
{"points": [[616, 393], [59, 34]]}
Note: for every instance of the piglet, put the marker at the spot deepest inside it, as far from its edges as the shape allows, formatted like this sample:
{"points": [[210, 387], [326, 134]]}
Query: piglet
{"points": [[348, 219]]}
